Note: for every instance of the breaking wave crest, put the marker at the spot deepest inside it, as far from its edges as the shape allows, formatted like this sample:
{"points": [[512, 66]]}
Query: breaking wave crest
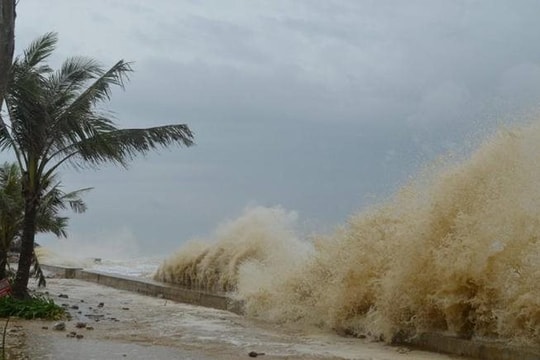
{"points": [[262, 236], [457, 251]]}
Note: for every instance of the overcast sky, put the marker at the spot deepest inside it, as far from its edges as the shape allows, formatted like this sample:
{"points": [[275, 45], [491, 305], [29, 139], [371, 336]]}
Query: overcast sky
{"points": [[317, 106]]}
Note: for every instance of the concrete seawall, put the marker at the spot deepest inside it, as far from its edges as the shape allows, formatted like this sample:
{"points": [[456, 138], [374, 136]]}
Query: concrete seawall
{"points": [[149, 287], [477, 349]]}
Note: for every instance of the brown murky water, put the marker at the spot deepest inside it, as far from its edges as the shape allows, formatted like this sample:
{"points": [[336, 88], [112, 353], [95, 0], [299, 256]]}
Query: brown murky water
{"points": [[456, 250]]}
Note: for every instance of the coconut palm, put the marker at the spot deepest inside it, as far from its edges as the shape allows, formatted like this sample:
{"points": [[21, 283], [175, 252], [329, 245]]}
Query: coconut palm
{"points": [[55, 119], [54, 201]]}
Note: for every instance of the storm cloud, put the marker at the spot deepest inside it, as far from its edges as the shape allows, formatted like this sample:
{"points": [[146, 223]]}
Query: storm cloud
{"points": [[318, 106]]}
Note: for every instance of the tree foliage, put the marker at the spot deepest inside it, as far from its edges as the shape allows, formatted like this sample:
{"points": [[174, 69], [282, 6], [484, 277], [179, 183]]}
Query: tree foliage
{"points": [[56, 118], [49, 215]]}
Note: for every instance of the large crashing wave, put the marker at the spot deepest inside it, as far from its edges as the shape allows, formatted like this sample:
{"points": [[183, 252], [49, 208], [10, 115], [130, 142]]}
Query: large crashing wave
{"points": [[457, 250], [261, 236]]}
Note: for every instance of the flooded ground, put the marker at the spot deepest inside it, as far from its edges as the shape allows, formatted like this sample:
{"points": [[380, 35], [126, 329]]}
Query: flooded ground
{"points": [[124, 325]]}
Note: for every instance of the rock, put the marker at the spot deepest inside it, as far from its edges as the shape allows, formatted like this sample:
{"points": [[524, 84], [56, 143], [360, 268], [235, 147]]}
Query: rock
{"points": [[45, 327], [80, 325], [94, 316], [100, 305], [79, 336], [125, 308], [63, 296], [89, 328], [60, 326], [403, 350], [72, 334], [74, 307], [254, 354]]}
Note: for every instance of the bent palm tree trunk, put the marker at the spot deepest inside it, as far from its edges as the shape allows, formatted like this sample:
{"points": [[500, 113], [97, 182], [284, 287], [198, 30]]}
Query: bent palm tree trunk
{"points": [[27, 245], [3, 263], [7, 42]]}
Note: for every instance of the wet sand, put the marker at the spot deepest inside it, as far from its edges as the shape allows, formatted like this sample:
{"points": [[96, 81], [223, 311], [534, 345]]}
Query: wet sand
{"points": [[124, 325]]}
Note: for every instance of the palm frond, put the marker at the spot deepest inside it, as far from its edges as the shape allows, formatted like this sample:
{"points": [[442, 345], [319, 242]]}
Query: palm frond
{"points": [[73, 113], [56, 225], [40, 49], [6, 140], [37, 272], [124, 144], [121, 145], [100, 90], [27, 110], [74, 200], [52, 202], [66, 83]]}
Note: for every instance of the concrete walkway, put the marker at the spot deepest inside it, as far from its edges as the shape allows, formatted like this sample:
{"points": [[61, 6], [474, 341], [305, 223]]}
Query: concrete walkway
{"points": [[125, 325]]}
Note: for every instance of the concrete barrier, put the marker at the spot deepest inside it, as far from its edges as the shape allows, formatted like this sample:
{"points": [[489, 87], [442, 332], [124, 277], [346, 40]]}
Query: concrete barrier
{"points": [[162, 290], [65, 272], [477, 348]]}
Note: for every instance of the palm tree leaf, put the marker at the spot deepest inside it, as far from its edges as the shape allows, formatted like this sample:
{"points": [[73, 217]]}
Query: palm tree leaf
{"points": [[124, 144], [27, 111], [40, 49], [130, 142], [66, 83], [6, 140], [100, 89], [74, 115], [120, 146], [74, 200], [56, 225]]}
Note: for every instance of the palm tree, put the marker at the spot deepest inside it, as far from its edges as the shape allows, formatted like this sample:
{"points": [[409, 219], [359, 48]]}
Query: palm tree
{"points": [[48, 215], [55, 120]]}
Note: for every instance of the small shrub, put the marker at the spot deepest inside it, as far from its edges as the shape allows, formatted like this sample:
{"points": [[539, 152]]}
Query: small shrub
{"points": [[36, 307]]}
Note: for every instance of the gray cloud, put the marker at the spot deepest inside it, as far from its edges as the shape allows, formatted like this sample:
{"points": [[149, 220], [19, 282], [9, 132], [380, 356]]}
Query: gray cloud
{"points": [[314, 105]]}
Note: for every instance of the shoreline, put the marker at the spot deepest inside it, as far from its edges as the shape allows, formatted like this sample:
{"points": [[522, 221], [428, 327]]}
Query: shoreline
{"points": [[128, 325], [438, 343]]}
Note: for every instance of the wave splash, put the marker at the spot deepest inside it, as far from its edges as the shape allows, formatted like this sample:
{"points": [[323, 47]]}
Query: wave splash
{"points": [[457, 250], [261, 237]]}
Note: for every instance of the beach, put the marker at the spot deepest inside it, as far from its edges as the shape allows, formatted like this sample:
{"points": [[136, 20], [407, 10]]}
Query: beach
{"points": [[113, 324]]}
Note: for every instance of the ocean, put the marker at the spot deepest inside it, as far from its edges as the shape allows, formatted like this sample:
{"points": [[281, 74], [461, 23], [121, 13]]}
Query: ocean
{"points": [[456, 250], [144, 267]]}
